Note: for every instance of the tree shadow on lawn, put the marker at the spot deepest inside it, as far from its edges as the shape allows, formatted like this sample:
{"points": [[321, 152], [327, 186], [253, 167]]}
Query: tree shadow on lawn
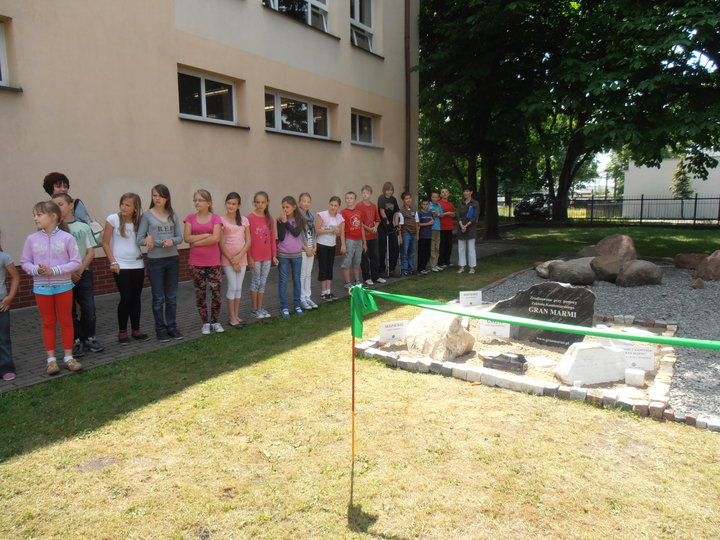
{"points": [[43, 414]]}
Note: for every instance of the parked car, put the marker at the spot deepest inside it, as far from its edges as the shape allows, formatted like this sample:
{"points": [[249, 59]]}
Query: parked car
{"points": [[535, 205]]}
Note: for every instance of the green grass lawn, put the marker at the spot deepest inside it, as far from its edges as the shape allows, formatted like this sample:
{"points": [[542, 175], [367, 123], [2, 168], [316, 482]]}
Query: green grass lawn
{"points": [[247, 435]]}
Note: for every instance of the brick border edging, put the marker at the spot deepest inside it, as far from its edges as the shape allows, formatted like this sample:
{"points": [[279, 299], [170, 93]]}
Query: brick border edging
{"points": [[603, 398]]}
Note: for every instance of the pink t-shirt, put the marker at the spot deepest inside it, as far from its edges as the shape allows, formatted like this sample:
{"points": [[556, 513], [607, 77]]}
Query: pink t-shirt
{"points": [[262, 239], [234, 239], [204, 255]]}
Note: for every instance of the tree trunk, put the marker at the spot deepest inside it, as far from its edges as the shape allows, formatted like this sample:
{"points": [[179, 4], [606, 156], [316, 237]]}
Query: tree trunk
{"points": [[490, 189]]}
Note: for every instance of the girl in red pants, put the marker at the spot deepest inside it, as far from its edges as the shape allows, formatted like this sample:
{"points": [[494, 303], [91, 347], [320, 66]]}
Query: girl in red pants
{"points": [[50, 255]]}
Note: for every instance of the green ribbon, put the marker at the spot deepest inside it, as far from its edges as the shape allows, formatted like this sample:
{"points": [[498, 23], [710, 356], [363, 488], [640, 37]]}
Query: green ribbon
{"points": [[362, 303]]}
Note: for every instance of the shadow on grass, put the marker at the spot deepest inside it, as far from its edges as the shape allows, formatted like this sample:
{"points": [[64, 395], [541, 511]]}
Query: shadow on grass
{"points": [[360, 521], [43, 414]]}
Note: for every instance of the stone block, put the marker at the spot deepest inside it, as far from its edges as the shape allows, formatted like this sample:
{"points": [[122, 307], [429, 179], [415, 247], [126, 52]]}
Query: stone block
{"points": [[503, 380], [407, 363], [563, 392], [610, 399], [435, 367], [641, 407], [447, 369], [474, 373], [713, 424], [635, 377], [656, 409], [625, 403], [460, 372], [690, 419], [578, 393], [517, 384], [550, 389], [679, 416], [595, 397], [701, 422], [423, 365], [591, 363], [362, 347], [669, 415], [488, 378], [372, 352], [534, 386]]}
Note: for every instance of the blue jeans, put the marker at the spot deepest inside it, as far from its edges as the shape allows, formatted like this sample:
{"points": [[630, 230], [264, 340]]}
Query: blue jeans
{"points": [[6, 361], [164, 274], [407, 252], [295, 266], [84, 297]]}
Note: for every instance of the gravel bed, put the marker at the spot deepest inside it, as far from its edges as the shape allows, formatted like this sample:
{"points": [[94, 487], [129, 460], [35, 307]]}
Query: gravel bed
{"points": [[695, 386]]}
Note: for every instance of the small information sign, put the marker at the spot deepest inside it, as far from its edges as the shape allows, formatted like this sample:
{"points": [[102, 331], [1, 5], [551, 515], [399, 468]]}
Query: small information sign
{"points": [[494, 329], [470, 298], [390, 332]]}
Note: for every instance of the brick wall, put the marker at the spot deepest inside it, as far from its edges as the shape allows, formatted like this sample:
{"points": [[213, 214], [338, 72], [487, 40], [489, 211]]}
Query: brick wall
{"points": [[102, 279]]}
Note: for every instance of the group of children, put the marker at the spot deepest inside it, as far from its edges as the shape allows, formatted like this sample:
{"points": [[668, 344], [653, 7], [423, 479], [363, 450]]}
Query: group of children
{"points": [[60, 254]]}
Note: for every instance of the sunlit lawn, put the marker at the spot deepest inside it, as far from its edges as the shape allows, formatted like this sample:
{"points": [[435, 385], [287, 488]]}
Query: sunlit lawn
{"points": [[247, 435]]}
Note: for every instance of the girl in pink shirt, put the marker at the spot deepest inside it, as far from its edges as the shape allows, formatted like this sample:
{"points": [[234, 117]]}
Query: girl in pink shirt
{"points": [[203, 233], [234, 247], [262, 253]]}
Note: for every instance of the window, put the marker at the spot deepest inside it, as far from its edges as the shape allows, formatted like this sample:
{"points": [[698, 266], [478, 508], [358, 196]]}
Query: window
{"points": [[4, 75], [296, 115], [210, 99], [312, 12], [362, 129], [361, 27]]}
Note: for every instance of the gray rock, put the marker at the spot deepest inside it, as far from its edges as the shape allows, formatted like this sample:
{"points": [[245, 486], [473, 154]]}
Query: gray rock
{"points": [[543, 269], [606, 268], [620, 246], [574, 272], [697, 284], [638, 272]]}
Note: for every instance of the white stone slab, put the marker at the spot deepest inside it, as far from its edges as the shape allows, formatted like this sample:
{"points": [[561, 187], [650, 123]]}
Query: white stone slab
{"points": [[591, 363], [635, 377], [540, 361]]}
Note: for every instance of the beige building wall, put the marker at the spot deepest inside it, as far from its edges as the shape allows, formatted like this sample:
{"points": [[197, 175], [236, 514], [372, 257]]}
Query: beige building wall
{"points": [[99, 102]]}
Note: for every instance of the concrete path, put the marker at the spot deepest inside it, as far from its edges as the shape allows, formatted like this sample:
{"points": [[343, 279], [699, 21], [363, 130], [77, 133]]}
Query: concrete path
{"points": [[28, 350]]}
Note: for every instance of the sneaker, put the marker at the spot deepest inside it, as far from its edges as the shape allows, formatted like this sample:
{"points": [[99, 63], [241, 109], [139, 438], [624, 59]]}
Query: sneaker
{"points": [[175, 334], [52, 368], [348, 284], [299, 311], [123, 338], [369, 282], [462, 269], [92, 345], [205, 330], [78, 349], [358, 282], [255, 313], [471, 271], [139, 336], [163, 337], [381, 280], [8, 376], [436, 268], [312, 304], [217, 328], [305, 305], [332, 297], [326, 297], [285, 313], [72, 364], [425, 272]]}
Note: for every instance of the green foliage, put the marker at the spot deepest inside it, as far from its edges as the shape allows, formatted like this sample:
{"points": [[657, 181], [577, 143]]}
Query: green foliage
{"points": [[680, 186]]}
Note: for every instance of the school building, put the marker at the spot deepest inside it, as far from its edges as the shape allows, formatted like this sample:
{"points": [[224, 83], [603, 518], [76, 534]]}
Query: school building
{"points": [[283, 96]]}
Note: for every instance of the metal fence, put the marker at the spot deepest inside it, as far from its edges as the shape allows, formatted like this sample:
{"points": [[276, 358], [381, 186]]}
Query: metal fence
{"points": [[696, 210]]}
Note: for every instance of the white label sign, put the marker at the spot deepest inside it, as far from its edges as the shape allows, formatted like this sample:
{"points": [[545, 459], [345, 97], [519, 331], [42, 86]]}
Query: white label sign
{"points": [[638, 356], [470, 298], [494, 329], [390, 332]]}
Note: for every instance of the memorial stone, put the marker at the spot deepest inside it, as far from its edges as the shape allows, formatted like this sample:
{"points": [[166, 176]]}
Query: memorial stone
{"points": [[550, 301]]}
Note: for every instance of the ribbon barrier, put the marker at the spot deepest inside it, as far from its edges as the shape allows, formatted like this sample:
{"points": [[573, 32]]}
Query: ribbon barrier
{"points": [[362, 302]]}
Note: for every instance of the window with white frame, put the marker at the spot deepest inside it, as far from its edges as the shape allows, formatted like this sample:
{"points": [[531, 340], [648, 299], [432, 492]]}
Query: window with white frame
{"points": [[312, 12], [296, 115], [207, 98], [361, 27], [363, 128], [4, 74]]}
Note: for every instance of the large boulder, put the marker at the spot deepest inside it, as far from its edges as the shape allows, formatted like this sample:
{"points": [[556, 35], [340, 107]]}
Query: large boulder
{"points": [[591, 363], [616, 245], [574, 272], [709, 268], [441, 336], [689, 260], [543, 269], [607, 267], [638, 272]]}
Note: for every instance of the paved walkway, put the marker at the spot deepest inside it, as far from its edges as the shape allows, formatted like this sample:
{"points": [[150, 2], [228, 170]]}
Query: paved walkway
{"points": [[28, 350]]}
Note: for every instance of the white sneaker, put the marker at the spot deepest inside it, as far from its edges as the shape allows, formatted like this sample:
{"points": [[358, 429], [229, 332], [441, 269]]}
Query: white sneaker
{"points": [[217, 328], [436, 268], [312, 304], [369, 282], [305, 305], [206, 329], [381, 280], [265, 313]]}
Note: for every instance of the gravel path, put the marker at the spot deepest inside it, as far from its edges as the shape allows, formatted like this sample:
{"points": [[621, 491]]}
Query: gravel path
{"points": [[696, 383]]}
